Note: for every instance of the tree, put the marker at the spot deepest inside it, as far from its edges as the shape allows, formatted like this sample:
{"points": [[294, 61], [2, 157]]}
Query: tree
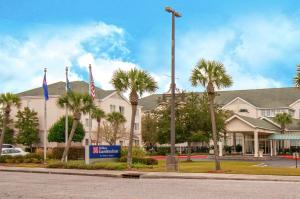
{"points": [[211, 74], [149, 129], [116, 121], [28, 126], [283, 119], [297, 77], [57, 131], [9, 132], [7, 101], [136, 82], [98, 114], [78, 104]]}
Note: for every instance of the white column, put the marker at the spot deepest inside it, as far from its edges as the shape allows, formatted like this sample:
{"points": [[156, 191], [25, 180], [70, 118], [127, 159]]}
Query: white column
{"points": [[244, 144], [271, 147], [255, 143], [220, 148]]}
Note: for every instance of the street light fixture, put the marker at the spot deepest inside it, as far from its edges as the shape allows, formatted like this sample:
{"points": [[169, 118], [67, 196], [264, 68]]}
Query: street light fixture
{"points": [[172, 163]]}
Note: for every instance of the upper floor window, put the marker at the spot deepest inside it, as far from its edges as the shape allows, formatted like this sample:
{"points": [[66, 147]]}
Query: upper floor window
{"points": [[112, 108], [121, 109], [243, 110]]}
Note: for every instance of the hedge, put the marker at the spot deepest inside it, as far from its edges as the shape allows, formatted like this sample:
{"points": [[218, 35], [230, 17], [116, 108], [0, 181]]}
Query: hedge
{"points": [[75, 153], [30, 158], [145, 161]]}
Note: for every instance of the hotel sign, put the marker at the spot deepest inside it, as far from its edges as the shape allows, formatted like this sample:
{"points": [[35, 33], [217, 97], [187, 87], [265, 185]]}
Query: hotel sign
{"points": [[103, 152]]}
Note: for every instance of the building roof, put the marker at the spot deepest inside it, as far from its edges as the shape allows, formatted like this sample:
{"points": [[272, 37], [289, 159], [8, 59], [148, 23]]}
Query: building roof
{"points": [[262, 98], [260, 123], [58, 88], [294, 126]]}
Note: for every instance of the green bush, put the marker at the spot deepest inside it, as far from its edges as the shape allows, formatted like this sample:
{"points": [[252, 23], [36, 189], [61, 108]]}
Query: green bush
{"points": [[145, 161], [57, 131], [75, 153], [136, 152], [239, 148], [30, 158], [163, 150], [93, 166]]}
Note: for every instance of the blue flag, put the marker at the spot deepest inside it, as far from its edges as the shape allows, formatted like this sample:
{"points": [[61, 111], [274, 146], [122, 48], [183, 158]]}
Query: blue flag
{"points": [[45, 87]]}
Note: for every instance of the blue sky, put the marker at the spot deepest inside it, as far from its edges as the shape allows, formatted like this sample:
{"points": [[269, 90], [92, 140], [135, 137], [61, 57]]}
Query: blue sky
{"points": [[258, 41]]}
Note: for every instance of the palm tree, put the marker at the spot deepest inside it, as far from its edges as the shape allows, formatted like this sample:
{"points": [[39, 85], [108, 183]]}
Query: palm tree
{"points": [[98, 114], [211, 75], [7, 101], [297, 77], [283, 119], [78, 104], [116, 119], [136, 82]]}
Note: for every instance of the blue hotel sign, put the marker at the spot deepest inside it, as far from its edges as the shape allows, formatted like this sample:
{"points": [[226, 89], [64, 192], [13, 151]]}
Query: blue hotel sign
{"points": [[102, 151]]}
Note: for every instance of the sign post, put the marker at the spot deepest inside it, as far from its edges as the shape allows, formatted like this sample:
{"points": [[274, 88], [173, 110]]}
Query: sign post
{"points": [[296, 156]]}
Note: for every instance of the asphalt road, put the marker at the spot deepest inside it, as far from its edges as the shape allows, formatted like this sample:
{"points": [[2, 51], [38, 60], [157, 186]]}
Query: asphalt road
{"points": [[53, 186]]}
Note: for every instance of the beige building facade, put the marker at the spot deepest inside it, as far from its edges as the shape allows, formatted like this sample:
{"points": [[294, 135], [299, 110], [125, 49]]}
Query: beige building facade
{"points": [[252, 126], [108, 100]]}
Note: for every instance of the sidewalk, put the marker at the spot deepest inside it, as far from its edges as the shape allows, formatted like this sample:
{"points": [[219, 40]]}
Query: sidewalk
{"points": [[153, 175]]}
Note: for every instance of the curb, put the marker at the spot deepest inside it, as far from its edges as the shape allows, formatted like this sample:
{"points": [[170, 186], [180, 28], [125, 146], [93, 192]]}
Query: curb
{"points": [[63, 173], [153, 175]]}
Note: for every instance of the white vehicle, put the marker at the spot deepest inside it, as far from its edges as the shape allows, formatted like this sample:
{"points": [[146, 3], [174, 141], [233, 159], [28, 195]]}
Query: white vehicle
{"points": [[8, 146], [14, 152]]}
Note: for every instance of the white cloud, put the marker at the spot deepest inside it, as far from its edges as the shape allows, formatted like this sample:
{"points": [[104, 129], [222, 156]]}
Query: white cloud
{"points": [[250, 48], [22, 60]]}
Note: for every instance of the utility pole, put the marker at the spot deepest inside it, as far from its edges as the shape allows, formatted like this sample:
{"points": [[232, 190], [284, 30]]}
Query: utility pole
{"points": [[172, 163]]}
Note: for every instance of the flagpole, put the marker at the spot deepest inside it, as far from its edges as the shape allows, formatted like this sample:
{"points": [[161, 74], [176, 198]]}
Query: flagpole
{"points": [[90, 121], [45, 124], [66, 119]]}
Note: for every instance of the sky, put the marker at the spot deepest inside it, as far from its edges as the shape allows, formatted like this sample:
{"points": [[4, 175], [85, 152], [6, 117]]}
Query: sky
{"points": [[257, 41]]}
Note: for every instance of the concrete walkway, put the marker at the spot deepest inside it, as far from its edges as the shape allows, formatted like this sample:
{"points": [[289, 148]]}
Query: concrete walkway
{"points": [[152, 175]]}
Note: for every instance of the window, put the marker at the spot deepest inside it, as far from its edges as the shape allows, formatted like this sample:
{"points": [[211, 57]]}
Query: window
{"points": [[121, 109], [263, 113], [268, 112], [243, 110], [112, 108], [136, 126]]}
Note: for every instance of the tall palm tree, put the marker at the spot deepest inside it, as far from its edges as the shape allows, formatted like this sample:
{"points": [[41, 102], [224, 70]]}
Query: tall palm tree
{"points": [[116, 119], [211, 75], [98, 114], [297, 77], [78, 104], [7, 101], [136, 82], [283, 119]]}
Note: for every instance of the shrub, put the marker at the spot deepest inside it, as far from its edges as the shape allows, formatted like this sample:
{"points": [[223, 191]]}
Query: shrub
{"points": [[57, 131], [163, 150], [239, 148], [136, 152], [75, 153], [30, 158], [145, 161], [93, 166]]}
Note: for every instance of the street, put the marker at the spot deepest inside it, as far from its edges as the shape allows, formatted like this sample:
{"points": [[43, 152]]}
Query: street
{"points": [[31, 186]]}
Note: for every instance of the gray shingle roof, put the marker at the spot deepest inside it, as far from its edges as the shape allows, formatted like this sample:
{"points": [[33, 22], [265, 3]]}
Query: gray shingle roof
{"points": [[260, 123], [263, 98], [294, 126], [58, 88]]}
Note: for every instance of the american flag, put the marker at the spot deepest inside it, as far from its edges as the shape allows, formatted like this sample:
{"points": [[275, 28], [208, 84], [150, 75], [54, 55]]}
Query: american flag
{"points": [[92, 85]]}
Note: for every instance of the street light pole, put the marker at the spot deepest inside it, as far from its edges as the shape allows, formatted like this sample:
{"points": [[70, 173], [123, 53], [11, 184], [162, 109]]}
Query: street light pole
{"points": [[172, 164]]}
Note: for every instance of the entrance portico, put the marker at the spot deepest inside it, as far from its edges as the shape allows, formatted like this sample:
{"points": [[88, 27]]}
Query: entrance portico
{"points": [[252, 134]]}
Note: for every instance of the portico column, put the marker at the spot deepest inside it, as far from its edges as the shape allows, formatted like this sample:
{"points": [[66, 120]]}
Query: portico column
{"points": [[271, 147], [256, 143], [244, 144], [220, 148], [275, 148]]}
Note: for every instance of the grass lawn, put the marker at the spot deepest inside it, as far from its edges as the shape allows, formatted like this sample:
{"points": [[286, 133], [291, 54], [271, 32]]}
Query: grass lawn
{"points": [[230, 167]]}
